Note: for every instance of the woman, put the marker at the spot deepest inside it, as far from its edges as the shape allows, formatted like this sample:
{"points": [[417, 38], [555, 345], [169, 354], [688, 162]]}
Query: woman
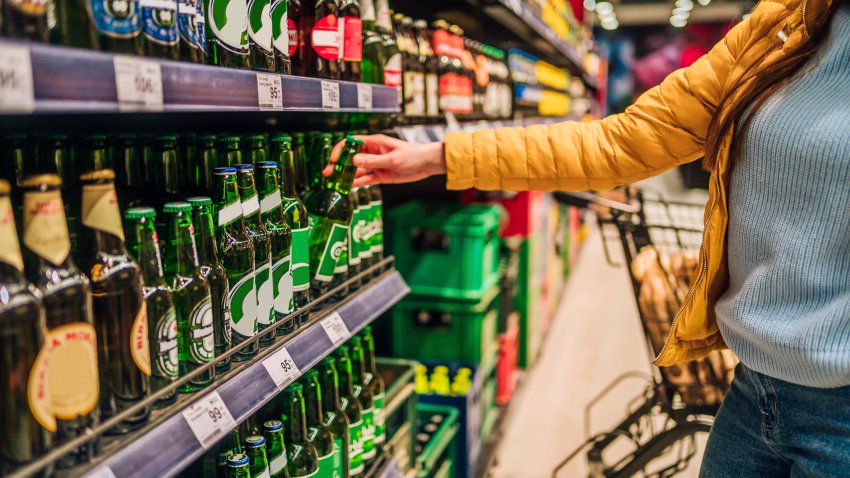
{"points": [[769, 110]]}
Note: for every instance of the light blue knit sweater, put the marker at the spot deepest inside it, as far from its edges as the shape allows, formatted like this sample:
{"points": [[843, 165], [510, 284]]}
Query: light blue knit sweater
{"points": [[787, 311]]}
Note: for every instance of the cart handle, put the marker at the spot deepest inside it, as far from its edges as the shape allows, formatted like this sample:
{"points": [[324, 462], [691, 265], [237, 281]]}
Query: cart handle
{"points": [[585, 199]]}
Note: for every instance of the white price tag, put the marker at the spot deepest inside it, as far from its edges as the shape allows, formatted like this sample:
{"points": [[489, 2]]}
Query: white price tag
{"points": [[139, 84], [102, 472], [364, 96], [281, 368], [269, 91], [209, 419], [335, 328], [16, 90], [330, 95]]}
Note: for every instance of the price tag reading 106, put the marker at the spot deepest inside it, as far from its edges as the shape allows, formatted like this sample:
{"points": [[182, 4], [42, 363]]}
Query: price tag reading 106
{"points": [[138, 84], [281, 368], [335, 328], [209, 419]]}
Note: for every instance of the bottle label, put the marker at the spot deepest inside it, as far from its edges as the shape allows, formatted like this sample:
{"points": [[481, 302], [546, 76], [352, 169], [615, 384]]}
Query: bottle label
{"points": [[72, 379], [229, 214], [100, 209], [250, 206], [419, 93], [116, 18], [355, 448], [260, 23], [139, 345], [326, 465], [270, 202], [432, 93], [292, 33], [284, 302], [341, 266], [38, 391], [228, 20], [10, 249], [339, 470], [383, 20], [369, 451], [45, 228], [202, 342], [333, 250], [352, 38], [301, 259], [264, 473], [364, 223], [441, 41], [280, 28], [377, 228], [354, 238], [167, 361], [201, 27], [187, 22], [392, 71], [380, 420], [265, 294], [278, 464], [159, 21], [325, 37], [242, 304], [34, 8]]}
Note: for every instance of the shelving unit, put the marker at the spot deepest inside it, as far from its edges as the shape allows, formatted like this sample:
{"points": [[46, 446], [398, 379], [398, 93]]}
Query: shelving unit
{"points": [[428, 133]]}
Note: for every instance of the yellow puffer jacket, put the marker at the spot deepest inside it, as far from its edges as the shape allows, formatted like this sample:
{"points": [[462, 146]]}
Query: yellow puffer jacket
{"points": [[664, 128]]}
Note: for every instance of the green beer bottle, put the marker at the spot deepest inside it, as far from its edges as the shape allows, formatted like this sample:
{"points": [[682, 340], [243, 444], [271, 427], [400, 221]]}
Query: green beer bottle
{"points": [[26, 19], [330, 216], [280, 36], [373, 53], [162, 316], [260, 35], [159, 28], [376, 386], [299, 154], [255, 445], [330, 462], [206, 160], [214, 273], [271, 212], [262, 245], [164, 169], [186, 150], [229, 153], [238, 466], [253, 149], [376, 228], [354, 262], [226, 30], [236, 251], [333, 417], [296, 216], [319, 155], [92, 153], [189, 47], [360, 229], [302, 458], [191, 292], [367, 402], [128, 170], [275, 449], [350, 405]]}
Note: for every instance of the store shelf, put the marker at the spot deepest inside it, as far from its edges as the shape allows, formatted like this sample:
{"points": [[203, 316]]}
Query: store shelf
{"points": [[429, 133], [72, 80], [487, 457]]}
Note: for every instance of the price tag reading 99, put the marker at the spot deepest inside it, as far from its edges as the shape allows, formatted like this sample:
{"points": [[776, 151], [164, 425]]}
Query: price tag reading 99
{"points": [[281, 368], [138, 84], [335, 328], [209, 419]]}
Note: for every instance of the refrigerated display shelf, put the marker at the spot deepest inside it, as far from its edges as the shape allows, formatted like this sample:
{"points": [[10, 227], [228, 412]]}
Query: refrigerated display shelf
{"points": [[175, 436], [54, 79]]}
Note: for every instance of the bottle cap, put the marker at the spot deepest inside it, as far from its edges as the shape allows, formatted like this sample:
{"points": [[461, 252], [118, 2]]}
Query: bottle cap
{"points": [[298, 137], [98, 175], [175, 207], [294, 387], [166, 138], [206, 137], [199, 201], [224, 170], [237, 460], [352, 140], [329, 361], [254, 137], [272, 425], [140, 213], [267, 164], [4, 187], [96, 137], [255, 441], [41, 180], [59, 137], [229, 139], [244, 167], [312, 373], [420, 23], [282, 138]]}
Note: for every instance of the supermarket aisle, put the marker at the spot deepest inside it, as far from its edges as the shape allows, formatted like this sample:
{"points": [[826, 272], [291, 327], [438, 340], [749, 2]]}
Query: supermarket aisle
{"points": [[595, 338]]}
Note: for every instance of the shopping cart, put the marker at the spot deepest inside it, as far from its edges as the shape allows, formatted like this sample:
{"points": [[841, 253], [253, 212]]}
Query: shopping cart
{"points": [[679, 402]]}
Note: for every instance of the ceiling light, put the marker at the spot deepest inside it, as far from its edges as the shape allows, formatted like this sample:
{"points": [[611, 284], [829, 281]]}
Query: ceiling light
{"points": [[604, 8], [681, 12], [686, 4], [589, 5], [606, 16], [678, 22]]}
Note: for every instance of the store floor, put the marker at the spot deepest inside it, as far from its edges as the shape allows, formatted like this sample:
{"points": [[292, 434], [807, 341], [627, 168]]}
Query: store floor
{"points": [[595, 337]]}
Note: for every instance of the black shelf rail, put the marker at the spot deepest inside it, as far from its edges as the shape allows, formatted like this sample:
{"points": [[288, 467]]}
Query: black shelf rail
{"points": [[167, 443]]}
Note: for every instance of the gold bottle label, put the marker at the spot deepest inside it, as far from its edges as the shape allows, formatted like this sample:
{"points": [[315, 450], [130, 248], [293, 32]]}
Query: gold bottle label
{"points": [[100, 209], [10, 250], [45, 228], [38, 391], [139, 347], [72, 380]]}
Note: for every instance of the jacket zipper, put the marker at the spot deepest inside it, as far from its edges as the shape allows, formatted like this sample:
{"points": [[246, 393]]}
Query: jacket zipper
{"points": [[704, 269]]}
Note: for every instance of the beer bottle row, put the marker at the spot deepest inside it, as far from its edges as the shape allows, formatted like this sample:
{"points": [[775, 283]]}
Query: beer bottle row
{"points": [[96, 328]]}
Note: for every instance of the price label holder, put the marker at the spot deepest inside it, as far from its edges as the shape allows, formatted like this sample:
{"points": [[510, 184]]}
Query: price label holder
{"points": [[335, 328], [269, 92], [209, 419], [138, 83], [102, 472], [16, 85], [281, 368], [364, 96], [330, 95]]}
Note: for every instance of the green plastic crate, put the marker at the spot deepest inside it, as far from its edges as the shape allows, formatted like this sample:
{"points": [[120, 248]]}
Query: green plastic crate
{"points": [[438, 457], [447, 250], [489, 408], [431, 329], [400, 402]]}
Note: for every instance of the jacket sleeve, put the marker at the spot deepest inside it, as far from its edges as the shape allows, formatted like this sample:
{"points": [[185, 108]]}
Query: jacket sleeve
{"points": [[665, 127]]}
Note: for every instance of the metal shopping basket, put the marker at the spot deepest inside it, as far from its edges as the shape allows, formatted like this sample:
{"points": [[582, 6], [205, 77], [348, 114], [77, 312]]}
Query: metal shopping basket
{"points": [[678, 402]]}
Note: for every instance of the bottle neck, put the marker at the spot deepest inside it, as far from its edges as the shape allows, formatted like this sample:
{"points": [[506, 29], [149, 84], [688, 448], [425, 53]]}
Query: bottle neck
{"points": [[146, 251], [297, 425], [382, 16], [267, 184], [344, 372], [285, 157], [369, 349], [301, 175], [11, 261], [357, 366], [249, 199], [312, 397], [330, 389], [322, 157], [228, 209], [255, 154], [205, 234], [180, 233], [167, 163], [102, 219]]}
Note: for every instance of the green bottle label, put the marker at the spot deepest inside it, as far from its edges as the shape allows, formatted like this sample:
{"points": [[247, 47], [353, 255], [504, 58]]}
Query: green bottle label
{"points": [[355, 448], [280, 34], [380, 420], [166, 359], [202, 343], [361, 232], [338, 456], [342, 261], [227, 19], [333, 250], [377, 227], [282, 277], [260, 23], [265, 294], [242, 304], [326, 466], [301, 259], [277, 465], [369, 450]]}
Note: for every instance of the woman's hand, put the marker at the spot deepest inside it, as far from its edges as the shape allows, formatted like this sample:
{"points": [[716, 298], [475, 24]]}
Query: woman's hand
{"points": [[389, 160]]}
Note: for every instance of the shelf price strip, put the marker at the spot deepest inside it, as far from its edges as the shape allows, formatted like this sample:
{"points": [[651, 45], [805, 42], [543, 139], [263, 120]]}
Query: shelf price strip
{"points": [[336, 329], [138, 84], [16, 84], [209, 419], [364, 96], [281, 368], [269, 92], [330, 95]]}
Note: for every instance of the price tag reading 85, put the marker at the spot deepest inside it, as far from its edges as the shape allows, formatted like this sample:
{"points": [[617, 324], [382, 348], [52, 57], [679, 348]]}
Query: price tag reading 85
{"points": [[138, 84], [330, 95], [269, 92], [209, 419], [335, 328], [281, 368]]}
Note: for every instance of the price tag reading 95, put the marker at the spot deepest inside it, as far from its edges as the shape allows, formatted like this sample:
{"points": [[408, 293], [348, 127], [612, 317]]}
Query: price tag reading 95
{"points": [[138, 83], [364, 96], [269, 91], [209, 419], [16, 90], [281, 368], [335, 328], [330, 95]]}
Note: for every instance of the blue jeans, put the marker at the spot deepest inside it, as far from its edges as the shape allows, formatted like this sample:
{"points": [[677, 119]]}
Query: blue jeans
{"points": [[771, 428]]}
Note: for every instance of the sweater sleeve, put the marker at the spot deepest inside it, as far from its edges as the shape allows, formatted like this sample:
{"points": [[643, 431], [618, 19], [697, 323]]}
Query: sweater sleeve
{"points": [[665, 127]]}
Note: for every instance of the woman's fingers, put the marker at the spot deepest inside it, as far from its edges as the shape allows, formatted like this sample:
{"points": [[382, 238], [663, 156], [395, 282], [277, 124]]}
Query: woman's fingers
{"points": [[372, 162], [365, 180]]}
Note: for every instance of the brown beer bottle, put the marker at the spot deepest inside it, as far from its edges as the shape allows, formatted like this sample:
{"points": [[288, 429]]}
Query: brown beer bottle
{"points": [[319, 43]]}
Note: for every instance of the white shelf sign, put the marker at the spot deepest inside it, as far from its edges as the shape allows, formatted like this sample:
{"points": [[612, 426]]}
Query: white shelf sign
{"points": [[138, 83], [16, 86], [330, 95], [364, 96], [102, 472], [209, 419], [335, 328], [269, 91], [281, 368]]}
